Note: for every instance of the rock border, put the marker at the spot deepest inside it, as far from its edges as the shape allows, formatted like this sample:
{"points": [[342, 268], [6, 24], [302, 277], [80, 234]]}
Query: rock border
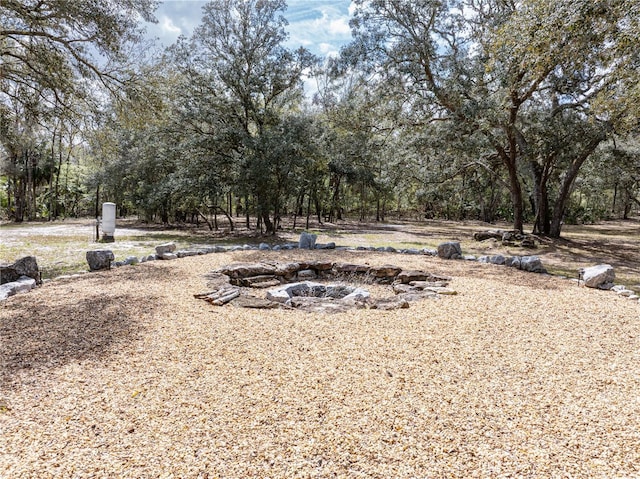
{"points": [[446, 250]]}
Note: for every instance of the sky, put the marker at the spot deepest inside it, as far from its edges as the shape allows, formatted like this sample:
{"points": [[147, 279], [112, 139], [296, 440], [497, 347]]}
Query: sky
{"points": [[322, 26]]}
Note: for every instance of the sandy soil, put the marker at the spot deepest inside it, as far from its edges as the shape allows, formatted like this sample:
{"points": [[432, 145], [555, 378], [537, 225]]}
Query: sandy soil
{"points": [[125, 374]]}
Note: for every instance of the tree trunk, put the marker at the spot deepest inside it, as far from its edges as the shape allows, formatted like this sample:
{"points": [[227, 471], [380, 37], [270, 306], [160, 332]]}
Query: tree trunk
{"points": [[516, 195], [567, 185], [542, 223]]}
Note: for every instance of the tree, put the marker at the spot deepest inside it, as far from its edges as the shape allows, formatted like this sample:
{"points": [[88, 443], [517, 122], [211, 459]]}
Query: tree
{"points": [[486, 68], [254, 83], [48, 46]]}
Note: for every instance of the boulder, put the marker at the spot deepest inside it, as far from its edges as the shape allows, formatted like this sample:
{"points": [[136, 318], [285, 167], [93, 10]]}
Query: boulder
{"points": [[345, 268], [385, 271], [285, 293], [599, 276], [165, 248], [99, 259], [185, 253], [406, 277], [132, 260], [532, 264], [27, 266], [489, 234], [320, 265], [497, 259], [513, 262], [287, 269], [21, 285], [331, 245], [450, 250], [307, 241], [246, 270]]}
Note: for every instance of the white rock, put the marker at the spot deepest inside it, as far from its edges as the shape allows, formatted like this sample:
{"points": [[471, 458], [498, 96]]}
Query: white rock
{"points": [[165, 248], [598, 276], [22, 285]]}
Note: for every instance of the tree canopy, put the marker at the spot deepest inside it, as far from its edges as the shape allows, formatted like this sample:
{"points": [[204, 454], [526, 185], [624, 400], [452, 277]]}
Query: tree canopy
{"points": [[459, 109]]}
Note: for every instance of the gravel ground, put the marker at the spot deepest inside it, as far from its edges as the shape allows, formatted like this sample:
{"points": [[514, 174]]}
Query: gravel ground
{"points": [[125, 374]]}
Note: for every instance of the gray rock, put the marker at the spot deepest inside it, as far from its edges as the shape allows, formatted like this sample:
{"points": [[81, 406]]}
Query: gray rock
{"points": [[469, 257], [331, 245], [532, 264], [99, 259], [264, 247], [168, 256], [342, 268], [286, 269], [390, 249], [285, 293], [277, 248], [247, 270], [599, 276], [22, 285], [497, 259], [307, 240], [513, 262], [450, 250], [430, 252], [413, 251], [185, 253], [27, 266], [131, 260], [358, 294], [306, 274], [165, 248]]}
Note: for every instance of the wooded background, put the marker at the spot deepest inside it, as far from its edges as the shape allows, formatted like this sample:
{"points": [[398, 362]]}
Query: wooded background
{"points": [[525, 111]]}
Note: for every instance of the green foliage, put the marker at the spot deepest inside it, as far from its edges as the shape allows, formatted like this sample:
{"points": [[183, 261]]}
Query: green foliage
{"points": [[492, 110]]}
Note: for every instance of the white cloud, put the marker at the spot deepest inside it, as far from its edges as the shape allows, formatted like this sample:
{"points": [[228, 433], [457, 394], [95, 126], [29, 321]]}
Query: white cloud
{"points": [[322, 25], [168, 27], [340, 26]]}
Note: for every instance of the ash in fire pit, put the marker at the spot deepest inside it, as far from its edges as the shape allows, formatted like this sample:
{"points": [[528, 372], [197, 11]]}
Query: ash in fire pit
{"points": [[307, 293]]}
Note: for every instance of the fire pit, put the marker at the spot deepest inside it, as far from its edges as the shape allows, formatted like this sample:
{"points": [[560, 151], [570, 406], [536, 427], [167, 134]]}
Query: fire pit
{"points": [[288, 285]]}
